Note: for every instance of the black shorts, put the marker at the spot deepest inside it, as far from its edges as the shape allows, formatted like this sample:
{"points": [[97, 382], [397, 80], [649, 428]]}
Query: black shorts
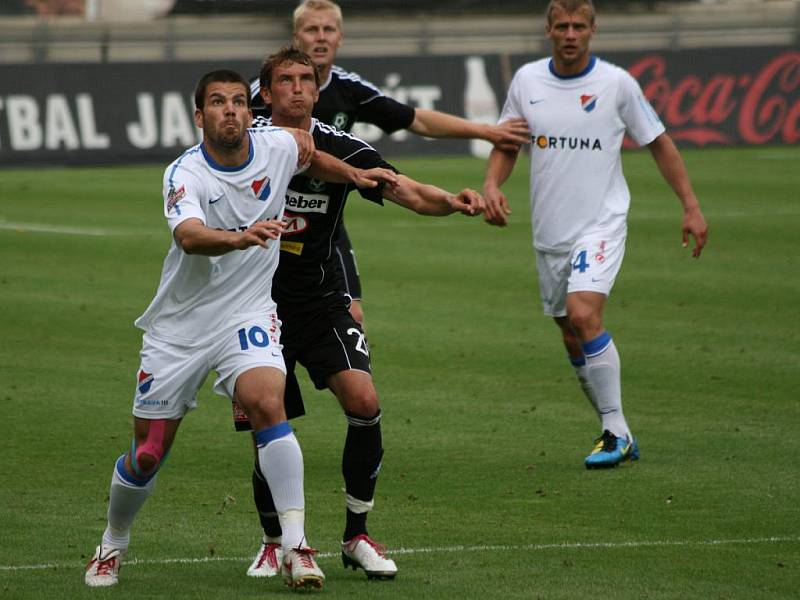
{"points": [[325, 341], [347, 260]]}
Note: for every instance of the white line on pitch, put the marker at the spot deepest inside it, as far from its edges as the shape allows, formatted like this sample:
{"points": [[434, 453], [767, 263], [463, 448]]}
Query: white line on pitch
{"points": [[443, 549], [67, 230]]}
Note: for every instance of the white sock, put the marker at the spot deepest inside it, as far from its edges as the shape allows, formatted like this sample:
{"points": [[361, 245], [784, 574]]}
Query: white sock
{"points": [[579, 365], [603, 376], [125, 500], [281, 462]]}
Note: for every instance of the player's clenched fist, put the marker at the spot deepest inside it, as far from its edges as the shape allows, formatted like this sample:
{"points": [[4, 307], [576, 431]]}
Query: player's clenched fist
{"points": [[496, 209], [369, 178], [305, 145], [260, 232], [468, 202]]}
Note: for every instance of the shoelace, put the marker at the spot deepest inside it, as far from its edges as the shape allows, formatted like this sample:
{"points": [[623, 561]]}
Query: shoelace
{"points": [[379, 548], [306, 557], [269, 555], [609, 441], [105, 567]]}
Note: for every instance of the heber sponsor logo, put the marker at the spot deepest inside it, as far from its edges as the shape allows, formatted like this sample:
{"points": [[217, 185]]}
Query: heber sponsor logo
{"points": [[758, 107], [299, 202]]}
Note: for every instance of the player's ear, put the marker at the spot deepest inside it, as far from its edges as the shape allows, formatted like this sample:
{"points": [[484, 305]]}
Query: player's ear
{"points": [[265, 95], [198, 118]]}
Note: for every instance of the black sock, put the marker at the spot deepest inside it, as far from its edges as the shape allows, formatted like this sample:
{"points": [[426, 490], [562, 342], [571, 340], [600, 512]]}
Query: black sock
{"points": [[356, 524], [361, 462]]}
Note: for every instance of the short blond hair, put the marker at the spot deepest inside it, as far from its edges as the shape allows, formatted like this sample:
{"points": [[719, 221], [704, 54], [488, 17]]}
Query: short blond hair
{"points": [[307, 5], [569, 6]]}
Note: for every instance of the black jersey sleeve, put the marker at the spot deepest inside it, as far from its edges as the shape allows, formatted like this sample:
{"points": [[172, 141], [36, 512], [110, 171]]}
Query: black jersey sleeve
{"points": [[387, 113], [349, 91], [353, 151]]}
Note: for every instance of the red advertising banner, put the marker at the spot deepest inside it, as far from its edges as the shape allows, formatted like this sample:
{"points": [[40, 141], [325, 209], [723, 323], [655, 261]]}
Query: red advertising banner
{"points": [[749, 102]]}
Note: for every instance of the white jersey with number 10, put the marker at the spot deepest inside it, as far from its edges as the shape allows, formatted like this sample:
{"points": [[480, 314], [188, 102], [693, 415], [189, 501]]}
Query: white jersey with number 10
{"points": [[197, 294]]}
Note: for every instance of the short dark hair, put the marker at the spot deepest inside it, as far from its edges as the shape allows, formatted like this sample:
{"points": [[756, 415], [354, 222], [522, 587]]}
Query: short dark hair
{"points": [[286, 54], [219, 76], [569, 6]]}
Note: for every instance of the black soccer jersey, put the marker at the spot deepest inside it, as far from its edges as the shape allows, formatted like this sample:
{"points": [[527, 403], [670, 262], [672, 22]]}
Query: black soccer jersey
{"points": [[346, 98], [308, 273]]}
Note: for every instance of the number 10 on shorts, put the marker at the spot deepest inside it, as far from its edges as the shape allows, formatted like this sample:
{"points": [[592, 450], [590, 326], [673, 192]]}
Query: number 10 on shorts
{"points": [[254, 336]]}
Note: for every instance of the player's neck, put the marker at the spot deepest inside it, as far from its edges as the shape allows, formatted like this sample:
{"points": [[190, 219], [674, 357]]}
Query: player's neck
{"points": [[571, 68], [303, 123], [228, 157], [324, 73]]}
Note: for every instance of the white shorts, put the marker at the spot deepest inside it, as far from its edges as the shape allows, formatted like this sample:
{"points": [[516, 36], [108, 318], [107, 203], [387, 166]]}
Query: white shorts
{"points": [[591, 266], [170, 375]]}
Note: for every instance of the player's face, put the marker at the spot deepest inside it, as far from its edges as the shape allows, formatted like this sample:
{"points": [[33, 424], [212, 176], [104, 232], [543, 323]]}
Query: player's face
{"points": [[570, 34], [225, 116], [292, 91], [319, 35]]}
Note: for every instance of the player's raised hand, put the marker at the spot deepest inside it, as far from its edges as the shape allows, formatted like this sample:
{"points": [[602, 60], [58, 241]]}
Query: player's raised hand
{"points": [[694, 224], [260, 232], [305, 145], [510, 135], [369, 178], [496, 209], [468, 202]]}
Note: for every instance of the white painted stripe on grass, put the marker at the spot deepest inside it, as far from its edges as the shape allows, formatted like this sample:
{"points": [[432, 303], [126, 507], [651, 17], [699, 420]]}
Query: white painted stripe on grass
{"points": [[68, 230], [444, 549]]}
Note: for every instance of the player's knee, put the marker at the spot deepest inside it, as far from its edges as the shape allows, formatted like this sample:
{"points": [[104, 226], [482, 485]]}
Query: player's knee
{"points": [[583, 319], [148, 455], [147, 463], [363, 403]]}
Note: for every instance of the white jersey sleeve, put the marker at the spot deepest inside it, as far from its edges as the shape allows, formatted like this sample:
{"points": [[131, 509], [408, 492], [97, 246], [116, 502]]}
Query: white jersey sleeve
{"points": [[183, 195], [512, 109], [641, 121]]}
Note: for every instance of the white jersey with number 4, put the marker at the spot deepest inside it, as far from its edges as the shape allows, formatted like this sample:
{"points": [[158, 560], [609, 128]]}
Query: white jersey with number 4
{"points": [[197, 294], [577, 126]]}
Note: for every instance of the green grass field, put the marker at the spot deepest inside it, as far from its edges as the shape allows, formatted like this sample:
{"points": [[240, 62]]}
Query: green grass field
{"points": [[483, 493]]}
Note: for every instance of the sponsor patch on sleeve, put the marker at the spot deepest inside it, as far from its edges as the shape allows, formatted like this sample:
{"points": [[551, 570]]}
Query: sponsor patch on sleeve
{"points": [[174, 196]]}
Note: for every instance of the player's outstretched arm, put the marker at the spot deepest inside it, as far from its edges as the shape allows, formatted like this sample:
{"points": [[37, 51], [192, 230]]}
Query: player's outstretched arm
{"points": [[195, 238], [305, 145], [672, 168], [509, 135], [498, 168], [329, 168], [426, 199]]}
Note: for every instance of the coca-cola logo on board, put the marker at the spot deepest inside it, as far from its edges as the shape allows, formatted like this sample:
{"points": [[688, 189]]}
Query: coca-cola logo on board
{"points": [[748, 107]]}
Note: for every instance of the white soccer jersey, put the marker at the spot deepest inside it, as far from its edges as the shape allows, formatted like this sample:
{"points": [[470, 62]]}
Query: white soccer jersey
{"points": [[197, 294], [577, 126]]}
